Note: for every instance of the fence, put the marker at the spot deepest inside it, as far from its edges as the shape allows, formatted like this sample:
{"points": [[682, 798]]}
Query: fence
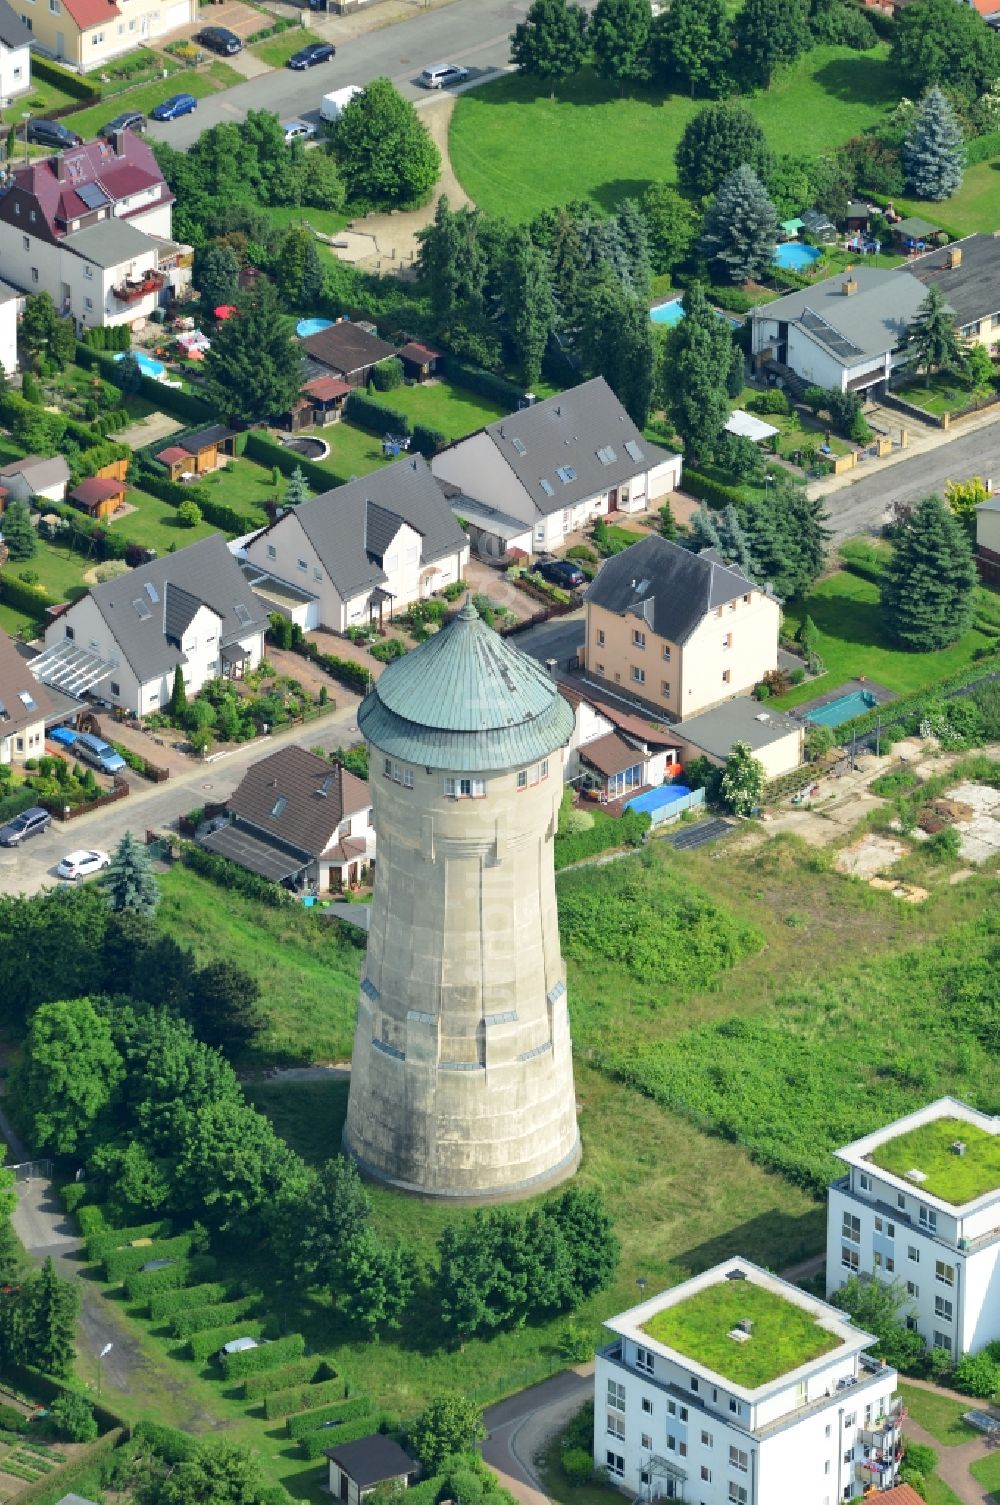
{"points": [[70, 812], [663, 813]]}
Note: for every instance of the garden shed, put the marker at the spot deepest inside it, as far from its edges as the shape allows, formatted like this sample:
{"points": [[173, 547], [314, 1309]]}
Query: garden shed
{"points": [[357, 1468]]}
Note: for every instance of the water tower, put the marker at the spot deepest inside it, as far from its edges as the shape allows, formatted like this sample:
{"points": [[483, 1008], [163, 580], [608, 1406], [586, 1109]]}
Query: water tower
{"points": [[462, 1078]]}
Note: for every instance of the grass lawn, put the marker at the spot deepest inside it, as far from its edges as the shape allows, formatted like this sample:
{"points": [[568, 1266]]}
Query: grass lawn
{"points": [[245, 485], [276, 51], [784, 1336], [511, 144], [453, 410], [938, 1414], [59, 568], [801, 432], [352, 451], [852, 642], [197, 81], [943, 394], [155, 524], [43, 98], [326, 221], [976, 205], [936, 1492], [954, 1178], [987, 1471]]}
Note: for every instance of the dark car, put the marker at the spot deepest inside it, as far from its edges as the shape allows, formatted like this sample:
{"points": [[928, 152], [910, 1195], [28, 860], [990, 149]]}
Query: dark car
{"points": [[128, 120], [220, 39], [29, 823], [51, 133], [316, 52], [174, 107], [562, 572]]}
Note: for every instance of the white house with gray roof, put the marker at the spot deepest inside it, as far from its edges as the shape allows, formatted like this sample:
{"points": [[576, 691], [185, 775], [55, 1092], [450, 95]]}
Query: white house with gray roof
{"points": [[367, 549], [123, 640], [557, 465], [844, 332]]}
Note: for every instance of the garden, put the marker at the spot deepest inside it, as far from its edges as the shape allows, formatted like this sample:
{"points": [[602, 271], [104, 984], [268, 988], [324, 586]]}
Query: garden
{"points": [[230, 710]]}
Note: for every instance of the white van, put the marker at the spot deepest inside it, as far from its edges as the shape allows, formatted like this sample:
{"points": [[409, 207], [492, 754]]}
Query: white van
{"points": [[332, 106]]}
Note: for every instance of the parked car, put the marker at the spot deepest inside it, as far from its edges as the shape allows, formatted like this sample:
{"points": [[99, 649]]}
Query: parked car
{"points": [[442, 74], [316, 52], [52, 133], [174, 107], [63, 736], [220, 39], [100, 753], [29, 823], [77, 865], [128, 120], [298, 130], [562, 572]]}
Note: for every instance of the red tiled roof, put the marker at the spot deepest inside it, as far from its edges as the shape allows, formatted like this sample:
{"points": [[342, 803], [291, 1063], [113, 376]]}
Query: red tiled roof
{"points": [[87, 13], [95, 489], [53, 181], [414, 351], [324, 388], [636, 726], [902, 1494], [172, 455], [986, 7]]}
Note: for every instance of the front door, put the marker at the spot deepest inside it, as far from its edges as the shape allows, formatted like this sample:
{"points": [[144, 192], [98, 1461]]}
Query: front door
{"points": [[613, 499], [344, 1485]]}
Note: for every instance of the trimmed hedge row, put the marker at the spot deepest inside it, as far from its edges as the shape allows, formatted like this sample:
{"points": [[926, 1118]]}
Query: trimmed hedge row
{"points": [[484, 383], [218, 514], [32, 599], [203, 1345], [142, 1285], [227, 875], [169, 1444], [305, 1398], [304, 1371], [171, 400], [69, 83], [199, 1318], [237, 1365], [106, 1240], [166, 1303], [707, 490], [122, 1262], [345, 1410], [428, 440], [266, 452], [60, 1481], [314, 1444], [375, 417], [628, 831]]}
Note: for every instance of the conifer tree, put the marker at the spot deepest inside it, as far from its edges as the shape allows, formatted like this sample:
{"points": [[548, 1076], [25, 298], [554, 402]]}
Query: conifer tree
{"points": [[695, 367], [18, 530], [927, 588], [702, 531], [297, 489], [934, 150], [932, 338], [178, 694], [129, 880], [529, 308], [734, 543], [741, 227]]}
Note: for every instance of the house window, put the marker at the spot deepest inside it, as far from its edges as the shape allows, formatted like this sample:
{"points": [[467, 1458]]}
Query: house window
{"points": [[647, 1405], [26, 242], [17, 73], [664, 687], [34, 274], [942, 1340], [616, 1426], [900, 1201], [600, 637], [116, 688], [646, 1442], [638, 638], [638, 675], [865, 1182], [88, 302], [303, 566], [826, 1466], [944, 1273], [616, 1395], [412, 554], [727, 641], [671, 1408], [666, 655], [727, 675], [88, 272], [693, 1382], [737, 1494], [97, 38], [849, 1258], [644, 1360], [911, 1323], [706, 1474], [684, 1413], [852, 1228], [878, 1225], [746, 600], [734, 1406], [71, 633], [465, 789], [397, 773], [826, 1430], [943, 1308], [272, 552], [682, 1448], [671, 1443], [928, 1219], [615, 1465], [913, 1254], [851, 1420], [912, 1289]]}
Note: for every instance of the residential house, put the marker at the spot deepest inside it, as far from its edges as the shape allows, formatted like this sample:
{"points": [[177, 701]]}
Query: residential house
{"points": [[356, 1468], [98, 496], [24, 704], [557, 465], [677, 630], [614, 750], [776, 739], [419, 361], [738, 1388], [11, 303], [123, 640], [844, 332], [988, 540], [36, 476], [91, 226], [197, 454], [920, 1205], [297, 817], [967, 274], [346, 349], [367, 549], [15, 56], [86, 34]]}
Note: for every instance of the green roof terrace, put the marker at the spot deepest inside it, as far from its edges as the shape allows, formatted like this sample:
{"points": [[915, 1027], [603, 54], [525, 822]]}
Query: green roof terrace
{"points": [[783, 1335], [945, 1173]]}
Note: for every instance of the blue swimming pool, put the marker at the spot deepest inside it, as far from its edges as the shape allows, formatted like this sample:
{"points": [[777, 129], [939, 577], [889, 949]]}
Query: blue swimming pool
{"points": [[794, 257], [655, 799], [147, 364], [844, 708], [669, 313], [305, 327]]}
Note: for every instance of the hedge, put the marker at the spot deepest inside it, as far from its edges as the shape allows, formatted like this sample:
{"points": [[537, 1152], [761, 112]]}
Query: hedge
{"points": [[219, 514], [203, 1345], [144, 1283], [166, 1442], [264, 450], [227, 875], [14, 804], [106, 1240], [307, 1371], [33, 1385], [346, 1410], [237, 1365], [906, 705], [90, 1219], [375, 417], [603, 836], [30, 598], [61, 1481], [69, 83], [183, 405], [485, 383], [427, 440], [306, 1398], [708, 490], [166, 1303], [982, 148], [199, 1318], [122, 1262], [315, 1444]]}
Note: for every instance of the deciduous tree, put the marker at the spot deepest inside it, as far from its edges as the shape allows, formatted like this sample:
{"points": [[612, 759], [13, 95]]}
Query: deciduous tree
{"points": [[938, 42], [963, 497], [742, 783], [530, 313], [879, 1307], [550, 44], [451, 1424], [692, 44], [928, 584], [384, 153], [219, 1471], [716, 141], [375, 1282], [670, 225], [619, 39], [934, 149], [767, 34], [129, 881], [741, 227], [68, 1073]]}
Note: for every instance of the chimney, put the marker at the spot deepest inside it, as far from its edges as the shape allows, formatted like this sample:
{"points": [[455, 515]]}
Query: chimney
{"points": [[59, 167], [954, 258], [848, 287], [118, 142]]}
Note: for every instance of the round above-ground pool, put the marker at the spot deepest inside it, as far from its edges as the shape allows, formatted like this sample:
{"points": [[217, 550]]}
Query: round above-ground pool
{"points": [[305, 327], [795, 257], [309, 449], [147, 364]]}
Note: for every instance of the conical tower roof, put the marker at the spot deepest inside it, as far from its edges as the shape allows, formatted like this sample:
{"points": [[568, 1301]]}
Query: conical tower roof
{"points": [[466, 699]]}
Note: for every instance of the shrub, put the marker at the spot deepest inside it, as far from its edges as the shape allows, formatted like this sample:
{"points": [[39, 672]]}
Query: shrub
{"points": [[189, 514], [227, 875], [771, 401], [303, 1397], [166, 1303], [73, 1194], [428, 440], [628, 831], [71, 1418], [374, 416], [107, 1240], [209, 1341], [946, 843], [145, 1283], [12, 1420], [122, 1262], [575, 822], [90, 1219], [306, 1371], [199, 1318], [345, 1410], [387, 374], [578, 1466], [269, 1356]]}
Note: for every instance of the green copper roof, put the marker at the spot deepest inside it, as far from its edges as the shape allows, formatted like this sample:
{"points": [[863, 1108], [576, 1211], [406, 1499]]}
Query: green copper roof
{"points": [[466, 700]]}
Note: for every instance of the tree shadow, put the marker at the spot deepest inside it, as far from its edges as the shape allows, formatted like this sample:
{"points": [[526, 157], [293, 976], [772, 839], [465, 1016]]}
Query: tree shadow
{"points": [[774, 1239], [851, 621], [857, 79], [609, 195]]}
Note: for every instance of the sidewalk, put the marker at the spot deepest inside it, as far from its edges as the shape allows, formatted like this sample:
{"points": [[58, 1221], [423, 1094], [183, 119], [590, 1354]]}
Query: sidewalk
{"points": [[922, 442]]}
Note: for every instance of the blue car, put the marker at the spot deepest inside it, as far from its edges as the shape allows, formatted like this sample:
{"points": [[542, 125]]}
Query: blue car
{"points": [[63, 736], [174, 107]]}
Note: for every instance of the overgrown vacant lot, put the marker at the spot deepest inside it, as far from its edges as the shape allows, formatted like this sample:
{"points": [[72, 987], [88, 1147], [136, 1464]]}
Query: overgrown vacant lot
{"points": [[516, 151]]}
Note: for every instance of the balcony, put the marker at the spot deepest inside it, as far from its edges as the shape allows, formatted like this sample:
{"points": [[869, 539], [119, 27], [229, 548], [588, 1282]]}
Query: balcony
{"points": [[876, 1473], [135, 288]]}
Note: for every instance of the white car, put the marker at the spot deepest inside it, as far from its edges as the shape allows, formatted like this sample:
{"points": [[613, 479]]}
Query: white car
{"points": [[298, 130], [442, 74], [77, 865]]}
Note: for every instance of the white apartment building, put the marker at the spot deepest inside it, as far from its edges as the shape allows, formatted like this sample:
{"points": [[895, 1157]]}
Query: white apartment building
{"points": [[920, 1204], [736, 1388]]}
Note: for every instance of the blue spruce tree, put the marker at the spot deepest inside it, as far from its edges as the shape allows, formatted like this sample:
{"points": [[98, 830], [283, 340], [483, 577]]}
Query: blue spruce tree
{"points": [[934, 150]]}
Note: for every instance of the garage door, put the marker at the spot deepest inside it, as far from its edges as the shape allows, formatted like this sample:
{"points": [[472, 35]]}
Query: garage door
{"points": [[172, 17]]}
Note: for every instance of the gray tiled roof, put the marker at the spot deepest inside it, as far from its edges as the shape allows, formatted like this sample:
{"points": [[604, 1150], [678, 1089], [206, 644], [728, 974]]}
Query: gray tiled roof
{"points": [[566, 433], [310, 795], [38, 471], [670, 588], [13, 32], [180, 608], [205, 570], [351, 526], [466, 700], [111, 242], [371, 1460], [872, 320], [347, 348], [972, 289]]}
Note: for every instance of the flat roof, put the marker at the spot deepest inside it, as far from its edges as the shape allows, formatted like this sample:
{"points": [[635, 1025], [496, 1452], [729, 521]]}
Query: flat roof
{"points": [[792, 1333], [914, 1154], [739, 720]]}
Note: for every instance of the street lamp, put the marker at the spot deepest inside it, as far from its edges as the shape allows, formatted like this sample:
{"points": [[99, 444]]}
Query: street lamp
{"points": [[641, 1283], [102, 1355]]}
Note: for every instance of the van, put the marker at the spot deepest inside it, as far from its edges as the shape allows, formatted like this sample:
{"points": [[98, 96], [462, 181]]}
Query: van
{"points": [[332, 106], [103, 756], [442, 74]]}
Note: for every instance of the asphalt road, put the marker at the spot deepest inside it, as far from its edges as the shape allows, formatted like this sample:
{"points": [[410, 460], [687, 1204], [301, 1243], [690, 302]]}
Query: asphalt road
{"points": [[475, 33]]}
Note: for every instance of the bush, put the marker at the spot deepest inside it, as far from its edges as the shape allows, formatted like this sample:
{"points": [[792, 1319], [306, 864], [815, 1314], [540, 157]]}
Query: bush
{"points": [[303, 1398], [168, 1444], [603, 836], [73, 1194], [576, 822], [945, 843], [12, 1420], [346, 1410], [374, 416], [771, 401], [166, 1303], [189, 514], [269, 1356], [71, 1418], [227, 875], [199, 1318], [202, 1346], [428, 440], [578, 1466], [307, 1371], [484, 383], [122, 1262], [387, 375], [145, 1283]]}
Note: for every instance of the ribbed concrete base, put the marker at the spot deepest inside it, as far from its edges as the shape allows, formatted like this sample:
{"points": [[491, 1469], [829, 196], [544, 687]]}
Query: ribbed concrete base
{"points": [[558, 1173]]}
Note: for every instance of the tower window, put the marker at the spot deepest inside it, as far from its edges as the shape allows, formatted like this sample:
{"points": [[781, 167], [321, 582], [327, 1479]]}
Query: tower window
{"points": [[465, 789]]}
